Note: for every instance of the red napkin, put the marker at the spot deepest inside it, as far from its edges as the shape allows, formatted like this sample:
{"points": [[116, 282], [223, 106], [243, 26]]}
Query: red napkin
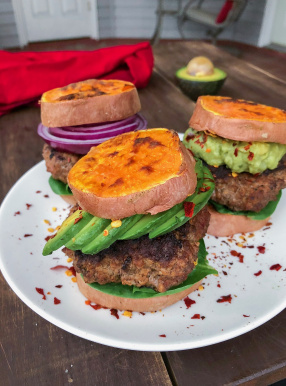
{"points": [[25, 76]]}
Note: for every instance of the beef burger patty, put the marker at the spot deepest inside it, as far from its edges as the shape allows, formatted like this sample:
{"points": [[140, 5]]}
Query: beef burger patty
{"points": [[159, 263], [59, 163], [245, 191]]}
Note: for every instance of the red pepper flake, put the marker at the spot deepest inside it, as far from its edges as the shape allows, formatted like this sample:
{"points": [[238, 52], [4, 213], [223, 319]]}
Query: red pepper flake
{"points": [[114, 313], [72, 271], [258, 273], [17, 213], [142, 313], [246, 316], [189, 137], [218, 285], [189, 209], [162, 336], [250, 156], [46, 195], [203, 317], [275, 267], [261, 249], [235, 152], [225, 273], [57, 267], [247, 147], [226, 298], [95, 306], [38, 191], [237, 254], [188, 302], [196, 316], [56, 301], [28, 235], [41, 292], [49, 237], [28, 206], [58, 286], [205, 189], [78, 219], [268, 224]]}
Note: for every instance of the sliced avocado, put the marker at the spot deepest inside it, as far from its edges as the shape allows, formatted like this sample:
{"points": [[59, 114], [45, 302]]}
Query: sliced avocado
{"points": [[95, 226], [105, 239], [71, 226], [194, 86], [199, 199]]}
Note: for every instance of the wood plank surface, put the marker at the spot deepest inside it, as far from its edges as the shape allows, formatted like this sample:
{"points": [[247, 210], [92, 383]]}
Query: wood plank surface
{"points": [[244, 80], [35, 352]]}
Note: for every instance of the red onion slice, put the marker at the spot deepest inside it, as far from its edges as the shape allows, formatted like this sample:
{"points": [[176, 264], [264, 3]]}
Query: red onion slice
{"points": [[79, 139]]}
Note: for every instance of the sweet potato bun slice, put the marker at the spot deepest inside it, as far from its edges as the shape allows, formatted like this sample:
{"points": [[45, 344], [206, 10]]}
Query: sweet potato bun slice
{"points": [[229, 224], [146, 171], [239, 120], [129, 304], [90, 101]]}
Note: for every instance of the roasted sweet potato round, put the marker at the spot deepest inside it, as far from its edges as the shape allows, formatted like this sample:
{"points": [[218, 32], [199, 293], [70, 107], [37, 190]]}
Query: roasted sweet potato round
{"points": [[146, 171], [229, 224], [239, 120], [90, 101], [130, 304]]}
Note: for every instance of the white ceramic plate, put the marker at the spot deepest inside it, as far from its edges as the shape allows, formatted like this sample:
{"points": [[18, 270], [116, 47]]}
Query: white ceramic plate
{"points": [[255, 299]]}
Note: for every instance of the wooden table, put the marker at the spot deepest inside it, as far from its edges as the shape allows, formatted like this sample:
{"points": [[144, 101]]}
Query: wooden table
{"points": [[35, 352]]}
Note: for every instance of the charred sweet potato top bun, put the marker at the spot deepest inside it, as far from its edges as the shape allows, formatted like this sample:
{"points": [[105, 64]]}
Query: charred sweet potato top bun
{"points": [[239, 120], [90, 101], [140, 172]]}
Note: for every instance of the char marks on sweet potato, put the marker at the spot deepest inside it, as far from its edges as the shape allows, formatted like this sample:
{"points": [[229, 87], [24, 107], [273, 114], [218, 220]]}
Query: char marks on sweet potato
{"points": [[146, 171]]}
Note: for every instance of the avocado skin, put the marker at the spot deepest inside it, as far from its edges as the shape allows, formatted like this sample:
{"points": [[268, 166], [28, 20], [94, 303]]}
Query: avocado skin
{"points": [[194, 88]]}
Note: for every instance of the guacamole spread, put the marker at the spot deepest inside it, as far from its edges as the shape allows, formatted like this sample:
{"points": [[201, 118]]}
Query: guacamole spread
{"points": [[251, 157]]}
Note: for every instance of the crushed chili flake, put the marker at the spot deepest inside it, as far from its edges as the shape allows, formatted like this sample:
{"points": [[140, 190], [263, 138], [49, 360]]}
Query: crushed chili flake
{"points": [[38, 191], [57, 301], [49, 237], [258, 273], [261, 249], [28, 235], [163, 336], [17, 213], [188, 302], [246, 316], [114, 312], [105, 232], [142, 313], [205, 189], [189, 209], [56, 267], [225, 298], [275, 267], [41, 292], [225, 273], [268, 224], [235, 152], [46, 195], [247, 147], [78, 219], [28, 206], [237, 254], [196, 316], [218, 285], [58, 286], [250, 156]]}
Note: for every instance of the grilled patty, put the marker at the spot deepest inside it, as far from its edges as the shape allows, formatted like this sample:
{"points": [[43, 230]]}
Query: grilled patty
{"points": [[247, 191], [159, 263], [59, 163]]}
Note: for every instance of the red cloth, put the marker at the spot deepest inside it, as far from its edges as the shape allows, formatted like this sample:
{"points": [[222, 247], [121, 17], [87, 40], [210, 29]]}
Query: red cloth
{"points": [[25, 76], [226, 8]]}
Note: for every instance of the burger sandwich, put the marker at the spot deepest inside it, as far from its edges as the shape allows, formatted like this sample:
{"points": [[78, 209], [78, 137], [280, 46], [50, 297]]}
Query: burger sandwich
{"points": [[244, 145], [135, 234], [81, 115]]}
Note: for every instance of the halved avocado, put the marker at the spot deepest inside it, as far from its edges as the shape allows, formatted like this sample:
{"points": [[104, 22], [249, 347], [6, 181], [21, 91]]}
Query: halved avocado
{"points": [[194, 86]]}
